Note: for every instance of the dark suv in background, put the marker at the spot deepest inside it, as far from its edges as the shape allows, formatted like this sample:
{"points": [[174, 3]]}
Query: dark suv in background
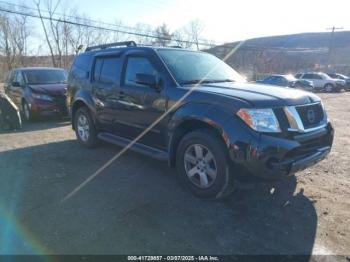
{"points": [[38, 91], [341, 77], [194, 111]]}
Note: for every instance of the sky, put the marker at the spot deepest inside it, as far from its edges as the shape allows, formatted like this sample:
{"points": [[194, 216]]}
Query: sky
{"points": [[223, 20]]}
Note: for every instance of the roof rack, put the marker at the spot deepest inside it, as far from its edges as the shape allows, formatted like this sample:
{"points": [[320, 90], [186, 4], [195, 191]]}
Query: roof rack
{"points": [[105, 46]]}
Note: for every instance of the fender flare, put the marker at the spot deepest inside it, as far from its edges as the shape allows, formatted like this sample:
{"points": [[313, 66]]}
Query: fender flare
{"points": [[203, 116], [84, 97]]}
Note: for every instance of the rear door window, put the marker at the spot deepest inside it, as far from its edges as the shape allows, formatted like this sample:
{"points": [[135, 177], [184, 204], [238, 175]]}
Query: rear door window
{"points": [[308, 76], [316, 76], [97, 69], [107, 70]]}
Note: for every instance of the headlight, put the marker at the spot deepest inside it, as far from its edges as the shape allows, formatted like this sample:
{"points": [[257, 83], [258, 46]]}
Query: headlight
{"points": [[42, 97], [261, 120]]}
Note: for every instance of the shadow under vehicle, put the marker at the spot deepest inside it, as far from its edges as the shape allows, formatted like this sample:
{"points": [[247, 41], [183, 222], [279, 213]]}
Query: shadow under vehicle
{"points": [[139, 209]]}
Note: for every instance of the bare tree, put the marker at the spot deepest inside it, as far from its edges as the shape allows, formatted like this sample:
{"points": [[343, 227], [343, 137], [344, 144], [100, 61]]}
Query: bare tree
{"points": [[163, 36], [146, 30], [14, 33], [7, 46], [182, 38], [194, 29]]}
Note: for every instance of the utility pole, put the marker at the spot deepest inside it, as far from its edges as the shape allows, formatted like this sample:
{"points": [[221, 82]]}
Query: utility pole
{"points": [[331, 43]]}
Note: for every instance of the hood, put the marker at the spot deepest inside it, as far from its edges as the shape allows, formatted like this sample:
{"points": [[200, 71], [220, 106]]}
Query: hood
{"points": [[259, 95], [51, 89]]}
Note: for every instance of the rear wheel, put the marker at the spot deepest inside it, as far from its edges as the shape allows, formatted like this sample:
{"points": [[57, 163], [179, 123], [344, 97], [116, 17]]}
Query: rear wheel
{"points": [[331, 88], [84, 128], [202, 164]]}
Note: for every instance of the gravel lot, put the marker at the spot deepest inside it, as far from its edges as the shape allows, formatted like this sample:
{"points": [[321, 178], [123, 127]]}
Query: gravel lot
{"points": [[137, 205]]}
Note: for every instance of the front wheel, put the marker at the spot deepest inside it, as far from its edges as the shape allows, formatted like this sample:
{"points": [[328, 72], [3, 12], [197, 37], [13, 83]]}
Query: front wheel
{"points": [[84, 128], [27, 113], [202, 164]]}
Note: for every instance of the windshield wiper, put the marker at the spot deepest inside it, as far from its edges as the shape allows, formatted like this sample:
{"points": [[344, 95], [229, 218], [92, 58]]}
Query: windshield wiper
{"points": [[223, 80], [205, 81], [194, 81]]}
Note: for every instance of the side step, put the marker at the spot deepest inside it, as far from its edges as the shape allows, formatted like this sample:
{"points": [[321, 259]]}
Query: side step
{"points": [[137, 147]]}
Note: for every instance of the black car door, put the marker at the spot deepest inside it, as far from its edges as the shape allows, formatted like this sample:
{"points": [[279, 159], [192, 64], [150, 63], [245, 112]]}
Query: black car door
{"points": [[142, 105], [105, 84]]}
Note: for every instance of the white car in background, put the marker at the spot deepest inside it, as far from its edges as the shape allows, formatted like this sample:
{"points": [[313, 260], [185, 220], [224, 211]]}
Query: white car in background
{"points": [[323, 82]]}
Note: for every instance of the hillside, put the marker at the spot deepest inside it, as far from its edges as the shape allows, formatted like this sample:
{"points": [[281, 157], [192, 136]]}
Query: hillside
{"points": [[289, 54], [305, 40]]}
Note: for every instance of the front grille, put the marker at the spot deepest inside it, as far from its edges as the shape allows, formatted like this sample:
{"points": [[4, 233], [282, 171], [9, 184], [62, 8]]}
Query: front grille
{"points": [[311, 115]]}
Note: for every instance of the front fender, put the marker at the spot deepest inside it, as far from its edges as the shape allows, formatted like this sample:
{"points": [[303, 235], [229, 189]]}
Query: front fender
{"points": [[231, 129], [194, 116], [204, 113]]}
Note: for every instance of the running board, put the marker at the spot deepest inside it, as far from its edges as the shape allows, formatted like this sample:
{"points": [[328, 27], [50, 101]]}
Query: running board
{"points": [[137, 147]]}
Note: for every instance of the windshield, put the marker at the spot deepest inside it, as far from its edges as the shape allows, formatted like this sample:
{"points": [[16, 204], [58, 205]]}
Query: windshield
{"points": [[44, 77], [340, 76], [194, 67]]}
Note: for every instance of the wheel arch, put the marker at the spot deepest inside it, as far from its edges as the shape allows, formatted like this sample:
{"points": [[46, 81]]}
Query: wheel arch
{"points": [[190, 124], [82, 100]]}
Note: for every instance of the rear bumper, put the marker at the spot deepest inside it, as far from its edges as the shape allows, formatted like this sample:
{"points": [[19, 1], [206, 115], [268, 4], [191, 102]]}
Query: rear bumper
{"points": [[273, 158]]}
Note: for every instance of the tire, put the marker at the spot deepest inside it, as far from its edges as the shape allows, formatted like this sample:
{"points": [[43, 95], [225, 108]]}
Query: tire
{"points": [[195, 174], [85, 129], [329, 88], [4, 125], [27, 114]]}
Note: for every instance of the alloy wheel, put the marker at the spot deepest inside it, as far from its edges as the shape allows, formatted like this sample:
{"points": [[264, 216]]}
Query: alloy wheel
{"points": [[200, 166], [83, 128], [26, 111]]}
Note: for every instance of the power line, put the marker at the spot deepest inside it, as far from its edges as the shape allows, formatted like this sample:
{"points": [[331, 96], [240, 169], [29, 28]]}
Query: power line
{"points": [[331, 42], [24, 7], [126, 29]]}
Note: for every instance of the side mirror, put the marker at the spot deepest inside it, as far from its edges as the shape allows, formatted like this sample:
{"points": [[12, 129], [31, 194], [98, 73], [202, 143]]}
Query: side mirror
{"points": [[147, 80], [16, 84]]}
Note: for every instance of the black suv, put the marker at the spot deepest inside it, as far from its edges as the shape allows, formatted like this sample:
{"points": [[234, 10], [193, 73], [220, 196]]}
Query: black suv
{"points": [[194, 111]]}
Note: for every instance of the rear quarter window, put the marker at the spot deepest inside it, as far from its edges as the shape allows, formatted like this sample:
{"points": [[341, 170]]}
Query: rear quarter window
{"points": [[81, 66]]}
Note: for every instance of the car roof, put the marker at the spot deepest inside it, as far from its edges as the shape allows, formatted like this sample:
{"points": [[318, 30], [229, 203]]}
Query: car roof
{"points": [[311, 72], [144, 48]]}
